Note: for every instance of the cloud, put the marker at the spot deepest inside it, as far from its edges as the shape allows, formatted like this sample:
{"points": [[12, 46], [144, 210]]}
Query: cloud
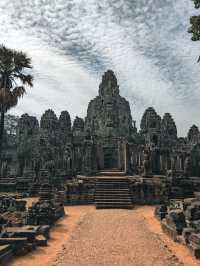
{"points": [[73, 42]]}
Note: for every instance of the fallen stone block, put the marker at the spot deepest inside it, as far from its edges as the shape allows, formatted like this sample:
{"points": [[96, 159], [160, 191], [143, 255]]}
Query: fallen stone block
{"points": [[28, 232], [195, 252], [176, 220], [44, 230], [41, 241], [161, 212], [187, 233], [18, 244], [171, 232], [6, 254]]}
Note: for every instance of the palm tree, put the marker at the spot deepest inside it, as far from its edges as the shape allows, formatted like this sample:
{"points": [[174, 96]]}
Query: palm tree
{"points": [[13, 81]]}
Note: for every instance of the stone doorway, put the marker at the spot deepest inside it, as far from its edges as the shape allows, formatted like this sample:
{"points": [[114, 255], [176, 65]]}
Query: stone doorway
{"points": [[110, 158]]}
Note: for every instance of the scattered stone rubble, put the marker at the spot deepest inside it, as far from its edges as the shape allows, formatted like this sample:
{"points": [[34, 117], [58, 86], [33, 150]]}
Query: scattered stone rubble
{"points": [[47, 210], [22, 229], [181, 221]]}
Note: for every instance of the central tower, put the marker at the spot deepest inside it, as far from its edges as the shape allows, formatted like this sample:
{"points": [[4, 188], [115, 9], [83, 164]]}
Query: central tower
{"points": [[109, 120], [109, 114]]}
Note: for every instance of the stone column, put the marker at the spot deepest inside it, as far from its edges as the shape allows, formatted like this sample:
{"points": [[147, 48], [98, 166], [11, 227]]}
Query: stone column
{"points": [[161, 163], [126, 168], [119, 148]]}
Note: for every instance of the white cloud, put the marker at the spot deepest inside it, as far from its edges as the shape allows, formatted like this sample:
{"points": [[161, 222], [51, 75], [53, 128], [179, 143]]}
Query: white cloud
{"points": [[144, 41]]}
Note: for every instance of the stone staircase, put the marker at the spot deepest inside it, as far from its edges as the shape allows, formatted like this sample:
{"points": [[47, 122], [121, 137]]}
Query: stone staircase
{"points": [[111, 192]]}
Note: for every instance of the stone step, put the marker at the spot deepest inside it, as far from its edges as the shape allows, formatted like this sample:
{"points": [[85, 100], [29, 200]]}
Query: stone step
{"points": [[115, 173], [113, 206], [113, 198], [111, 190], [113, 201], [113, 179], [111, 187], [113, 195], [6, 253], [99, 196]]}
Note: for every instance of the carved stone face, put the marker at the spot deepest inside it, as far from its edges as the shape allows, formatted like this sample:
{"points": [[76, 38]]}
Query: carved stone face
{"points": [[105, 112], [108, 86]]}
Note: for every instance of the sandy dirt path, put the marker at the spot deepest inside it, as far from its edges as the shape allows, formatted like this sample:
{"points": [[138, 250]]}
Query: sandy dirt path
{"points": [[90, 237], [59, 234], [122, 238]]}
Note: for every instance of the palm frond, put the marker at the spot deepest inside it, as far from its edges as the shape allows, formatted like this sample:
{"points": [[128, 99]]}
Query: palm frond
{"points": [[18, 92], [13, 65], [25, 79]]}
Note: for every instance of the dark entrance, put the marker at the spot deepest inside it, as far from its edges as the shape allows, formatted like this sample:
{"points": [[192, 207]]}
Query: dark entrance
{"points": [[110, 158]]}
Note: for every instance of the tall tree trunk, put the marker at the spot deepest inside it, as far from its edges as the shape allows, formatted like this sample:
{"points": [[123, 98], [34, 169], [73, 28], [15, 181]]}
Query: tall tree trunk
{"points": [[1, 134]]}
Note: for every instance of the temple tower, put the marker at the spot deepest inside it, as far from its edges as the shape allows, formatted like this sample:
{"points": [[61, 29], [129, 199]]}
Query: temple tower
{"points": [[109, 120]]}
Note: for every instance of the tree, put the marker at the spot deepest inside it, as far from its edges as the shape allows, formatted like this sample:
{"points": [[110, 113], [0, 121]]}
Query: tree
{"points": [[14, 79], [195, 24]]}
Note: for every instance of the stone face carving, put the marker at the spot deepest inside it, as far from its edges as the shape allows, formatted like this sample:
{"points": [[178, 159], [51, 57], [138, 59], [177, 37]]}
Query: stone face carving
{"points": [[195, 156], [150, 120], [64, 127], [194, 134], [147, 164], [151, 127], [4, 169], [50, 141], [49, 120], [65, 122], [109, 114], [168, 128], [78, 126], [108, 86], [188, 166], [27, 142], [67, 158]]}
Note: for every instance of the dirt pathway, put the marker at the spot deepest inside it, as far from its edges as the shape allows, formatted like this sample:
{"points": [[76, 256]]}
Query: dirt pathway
{"points": [[59, 234], [181, 251], [90, 237]]}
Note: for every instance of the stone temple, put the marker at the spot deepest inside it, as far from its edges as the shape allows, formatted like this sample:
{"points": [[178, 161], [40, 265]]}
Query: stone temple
{"points": [[54, 150], [102, 160]]}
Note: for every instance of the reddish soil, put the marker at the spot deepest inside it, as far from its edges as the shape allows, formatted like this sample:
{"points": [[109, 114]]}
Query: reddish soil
{"points": [[88, 237], [181, 251], [59, 235]]}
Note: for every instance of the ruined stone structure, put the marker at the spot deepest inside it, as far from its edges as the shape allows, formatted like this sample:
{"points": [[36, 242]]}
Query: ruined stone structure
{"points": [[102, 159], [107, 139]]}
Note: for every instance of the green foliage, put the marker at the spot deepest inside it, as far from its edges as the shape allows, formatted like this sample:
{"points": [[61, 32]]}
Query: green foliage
{"points": [[13, 77], [195, 25], [196, 3], [13, 81], [195, 28]]}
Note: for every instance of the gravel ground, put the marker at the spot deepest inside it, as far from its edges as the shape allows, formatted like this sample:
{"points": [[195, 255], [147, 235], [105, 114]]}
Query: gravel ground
{"points": [[115, 237], [59, 235]]}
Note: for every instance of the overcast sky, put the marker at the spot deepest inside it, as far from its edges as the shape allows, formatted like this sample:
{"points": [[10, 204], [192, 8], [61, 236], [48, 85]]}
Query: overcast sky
{"points": [[72, 42]]}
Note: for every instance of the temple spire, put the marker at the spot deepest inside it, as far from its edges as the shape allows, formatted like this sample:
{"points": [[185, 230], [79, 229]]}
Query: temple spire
{"points": [[108, 85]]}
